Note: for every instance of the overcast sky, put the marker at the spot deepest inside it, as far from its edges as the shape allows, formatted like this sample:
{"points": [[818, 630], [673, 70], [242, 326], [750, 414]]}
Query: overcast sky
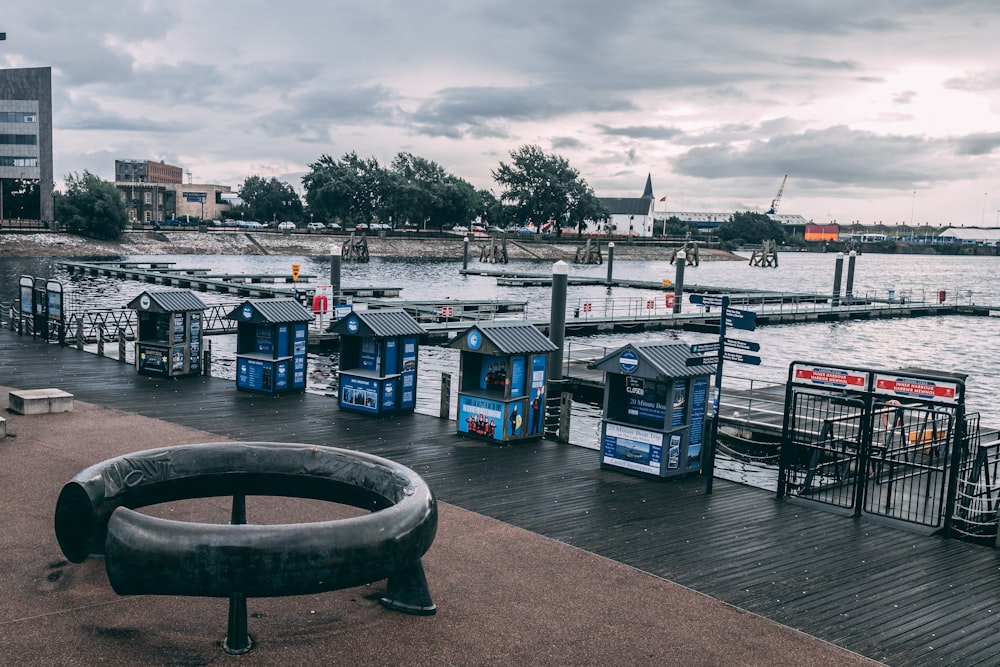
{"points": [[877, 110]]}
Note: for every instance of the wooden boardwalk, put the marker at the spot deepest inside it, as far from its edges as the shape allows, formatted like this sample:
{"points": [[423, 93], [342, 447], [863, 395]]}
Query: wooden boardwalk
{"points": [[894, 596]]}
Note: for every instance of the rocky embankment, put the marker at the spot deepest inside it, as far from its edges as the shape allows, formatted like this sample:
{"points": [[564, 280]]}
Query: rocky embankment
{"points": [[13, 244]]}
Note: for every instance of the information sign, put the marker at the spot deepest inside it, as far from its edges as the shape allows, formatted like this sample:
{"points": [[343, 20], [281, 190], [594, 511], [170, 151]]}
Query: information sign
{"points": [[741, 319], [706, 299], [738, 344], [829, 377], [920, 388], [699, 348]]}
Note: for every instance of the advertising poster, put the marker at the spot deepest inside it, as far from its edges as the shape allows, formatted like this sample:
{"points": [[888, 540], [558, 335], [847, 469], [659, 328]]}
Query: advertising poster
{"points": [[645, 404], [389, 395], [515, 422], [177, 359], [284, 343], [480, 416], [253, 374], [409, 354], [517, 376], [699, 399], [536, 409], [178, 327], [281, 373], [194, 351], [153, 359], [680, 401], [359, 393], [632, 448], [493, 374], [409, 376]]}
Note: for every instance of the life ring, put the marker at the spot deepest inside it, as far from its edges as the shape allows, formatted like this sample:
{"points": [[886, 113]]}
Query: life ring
{"points": [[890, 406], [320, 304]]}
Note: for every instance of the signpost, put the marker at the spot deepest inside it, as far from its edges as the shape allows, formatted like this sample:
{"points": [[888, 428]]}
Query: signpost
{"points": [[745, 320]]}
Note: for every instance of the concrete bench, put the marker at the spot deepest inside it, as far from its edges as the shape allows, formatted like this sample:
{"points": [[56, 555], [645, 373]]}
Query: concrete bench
{"points": [[40, 401]]}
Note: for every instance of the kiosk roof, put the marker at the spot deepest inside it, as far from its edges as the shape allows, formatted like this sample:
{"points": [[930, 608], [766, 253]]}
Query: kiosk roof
{"points": [[655, 360], [168, 301]]}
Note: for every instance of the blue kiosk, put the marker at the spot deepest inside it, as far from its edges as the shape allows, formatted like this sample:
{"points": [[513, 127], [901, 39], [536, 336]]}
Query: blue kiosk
{"points": [[378, 361], [169, 333], [655, 400], [271, 338], [503, 372]]}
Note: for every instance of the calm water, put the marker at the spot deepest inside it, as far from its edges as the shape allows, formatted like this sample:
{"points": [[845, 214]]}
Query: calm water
{"points": [[955, 344]]}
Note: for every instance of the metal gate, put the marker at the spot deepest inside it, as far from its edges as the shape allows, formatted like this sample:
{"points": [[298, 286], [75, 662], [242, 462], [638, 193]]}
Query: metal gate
{"points": [[873, 442]]}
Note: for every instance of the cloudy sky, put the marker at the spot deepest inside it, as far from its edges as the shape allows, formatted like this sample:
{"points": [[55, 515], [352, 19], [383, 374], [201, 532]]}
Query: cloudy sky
{"points": [[877, 110]]}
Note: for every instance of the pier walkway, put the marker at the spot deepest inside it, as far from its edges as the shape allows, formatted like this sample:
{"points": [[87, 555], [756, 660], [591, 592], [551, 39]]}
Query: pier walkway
{"points": [[893, 596]]}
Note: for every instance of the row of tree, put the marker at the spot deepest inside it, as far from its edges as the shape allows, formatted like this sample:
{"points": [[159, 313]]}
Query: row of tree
{"points": [[411, 191]]}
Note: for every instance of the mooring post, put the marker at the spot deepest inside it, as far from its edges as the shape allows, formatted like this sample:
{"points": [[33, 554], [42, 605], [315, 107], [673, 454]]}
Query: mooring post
{"points": [[206, 364], [445, 409], [335, 275], [100, 341], [611, 261], [849, 288], [679, 280], [465, 253], [121, 346], [557, 318], [79, 334], [837, 272]]}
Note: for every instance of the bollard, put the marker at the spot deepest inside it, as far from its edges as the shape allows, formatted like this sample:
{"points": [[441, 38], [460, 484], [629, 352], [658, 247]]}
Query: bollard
{"points": [[121, 346], [679, 280], [445, 409], [206, 364], [465, 253], [849, 289], [557, 318], [837, 271], [79, 334], [611, 260], [100, 341], [565, 405]]}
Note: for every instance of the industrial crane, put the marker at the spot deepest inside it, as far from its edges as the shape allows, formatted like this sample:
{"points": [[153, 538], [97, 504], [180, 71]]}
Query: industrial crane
{"points": [[777, 200]]}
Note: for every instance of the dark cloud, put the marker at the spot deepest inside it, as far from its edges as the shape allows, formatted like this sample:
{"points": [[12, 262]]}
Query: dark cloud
{"points": [[641, 132], [978, 144]]}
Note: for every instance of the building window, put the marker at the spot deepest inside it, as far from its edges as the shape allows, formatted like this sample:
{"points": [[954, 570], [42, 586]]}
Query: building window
{"points": [[9, 161], [147, 198], [19, 139], [18, 117]]}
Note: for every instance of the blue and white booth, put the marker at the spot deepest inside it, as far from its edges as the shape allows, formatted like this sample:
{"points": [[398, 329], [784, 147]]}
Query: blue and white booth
{"points": [[169, 333], [503, 374], [378, 361], [271, 340], [655, 402]]}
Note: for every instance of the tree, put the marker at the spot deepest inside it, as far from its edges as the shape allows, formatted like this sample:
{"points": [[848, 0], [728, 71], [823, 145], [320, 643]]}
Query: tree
{"points": [[91, 207], [677, 228], [538, 187], [21, 199], [270, 199], [748, 227], [350, 189]]}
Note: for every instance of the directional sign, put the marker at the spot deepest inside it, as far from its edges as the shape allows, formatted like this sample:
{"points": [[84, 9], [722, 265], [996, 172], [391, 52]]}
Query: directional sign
{"points": [[706, 299], [738, 344], [701, 361], [741, 358], [741, 319], [699, 348]]}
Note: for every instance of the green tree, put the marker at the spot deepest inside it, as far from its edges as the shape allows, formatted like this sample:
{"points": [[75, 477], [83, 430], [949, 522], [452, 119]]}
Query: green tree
{"points": [[91, 207], [677, 228], [21, 199], [540, 187], [272, 199], [351, 189], [749, 227]]}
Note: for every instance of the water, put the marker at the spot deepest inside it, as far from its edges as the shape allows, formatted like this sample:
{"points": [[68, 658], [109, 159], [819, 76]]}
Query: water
{"points": [[953, 343]]}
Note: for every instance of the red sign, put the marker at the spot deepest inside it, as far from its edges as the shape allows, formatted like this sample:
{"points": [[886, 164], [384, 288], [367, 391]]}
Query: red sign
{"points": [[668, 300], [650, 305], [586, 307], [916, 388], [835, 377], [446, 311]]}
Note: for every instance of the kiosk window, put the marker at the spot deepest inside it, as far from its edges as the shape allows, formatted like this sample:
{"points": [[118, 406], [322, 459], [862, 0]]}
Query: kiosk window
{"points": [[637, 401]]}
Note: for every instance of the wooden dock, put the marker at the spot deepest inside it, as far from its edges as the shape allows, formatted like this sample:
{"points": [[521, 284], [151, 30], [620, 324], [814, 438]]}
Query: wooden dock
{"points": [[894, 596]]}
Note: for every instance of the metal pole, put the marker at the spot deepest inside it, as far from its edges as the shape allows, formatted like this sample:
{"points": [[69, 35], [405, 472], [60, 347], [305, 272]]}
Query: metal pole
{"points": [[681, 260], [849, 289], [611, 260], [713, 432], [465, 253], [557, 317], [837, 272]]}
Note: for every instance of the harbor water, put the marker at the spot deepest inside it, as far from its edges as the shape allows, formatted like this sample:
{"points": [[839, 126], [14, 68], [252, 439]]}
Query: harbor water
{"points": [[962, 344]]}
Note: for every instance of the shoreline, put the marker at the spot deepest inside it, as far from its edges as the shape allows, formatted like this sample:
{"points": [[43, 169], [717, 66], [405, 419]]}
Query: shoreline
{"points": [[241, 243]]}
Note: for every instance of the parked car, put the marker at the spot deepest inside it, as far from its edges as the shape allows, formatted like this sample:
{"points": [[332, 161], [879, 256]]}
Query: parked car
{"points": [[493, 229], [333, 226], [253, 224], [460, 228], [360, 227], [316, 227], [286, 225]]}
